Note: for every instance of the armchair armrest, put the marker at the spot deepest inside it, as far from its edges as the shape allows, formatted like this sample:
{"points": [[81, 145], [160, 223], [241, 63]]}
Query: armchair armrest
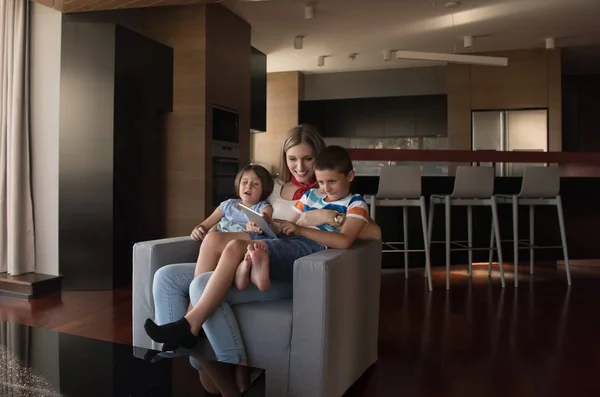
{"points": [[335, 319], [148, 257]]}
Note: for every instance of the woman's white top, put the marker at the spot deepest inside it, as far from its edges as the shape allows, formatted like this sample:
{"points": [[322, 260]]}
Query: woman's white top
{"points": [[282, 209]]}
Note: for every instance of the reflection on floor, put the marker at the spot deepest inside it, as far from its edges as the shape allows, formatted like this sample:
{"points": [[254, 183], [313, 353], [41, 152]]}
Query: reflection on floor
{"points": [[479, 339], [18, 380], [476, 339]]}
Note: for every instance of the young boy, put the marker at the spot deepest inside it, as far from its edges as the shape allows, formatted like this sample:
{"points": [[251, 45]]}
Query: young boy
{"points": [[275, 258]]}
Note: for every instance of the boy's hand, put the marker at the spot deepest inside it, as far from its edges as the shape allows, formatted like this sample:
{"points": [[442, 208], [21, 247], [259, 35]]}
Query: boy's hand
{"points": [[199, 233]]}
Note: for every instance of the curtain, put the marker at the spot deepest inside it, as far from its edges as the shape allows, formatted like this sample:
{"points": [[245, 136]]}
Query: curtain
{"points": [[17, 250]]}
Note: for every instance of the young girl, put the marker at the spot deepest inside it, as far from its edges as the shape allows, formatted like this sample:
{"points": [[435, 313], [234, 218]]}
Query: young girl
{"points": [[253, 184]]}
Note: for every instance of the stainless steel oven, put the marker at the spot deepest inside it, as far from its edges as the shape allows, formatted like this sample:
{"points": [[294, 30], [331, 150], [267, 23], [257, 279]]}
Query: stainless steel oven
{"points": [[225, 153], [224, 171]]}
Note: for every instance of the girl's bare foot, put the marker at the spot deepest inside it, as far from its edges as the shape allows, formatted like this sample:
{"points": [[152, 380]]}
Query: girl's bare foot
{"points": [[260, 266], [242, 274]]}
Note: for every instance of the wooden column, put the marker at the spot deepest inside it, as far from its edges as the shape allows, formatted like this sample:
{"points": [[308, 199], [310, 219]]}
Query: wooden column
{"points": [[284, 90]]}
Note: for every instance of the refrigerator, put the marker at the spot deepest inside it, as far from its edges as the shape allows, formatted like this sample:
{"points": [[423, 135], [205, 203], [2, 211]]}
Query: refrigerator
{"points": [[510, 130]]}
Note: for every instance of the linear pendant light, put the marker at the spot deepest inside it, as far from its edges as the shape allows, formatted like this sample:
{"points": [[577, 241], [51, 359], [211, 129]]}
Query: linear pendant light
{"points": [[452, 58]]}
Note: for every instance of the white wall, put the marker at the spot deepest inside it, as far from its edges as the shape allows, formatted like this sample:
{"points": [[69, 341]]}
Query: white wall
{"points": [[376, 83], [46, 28]]}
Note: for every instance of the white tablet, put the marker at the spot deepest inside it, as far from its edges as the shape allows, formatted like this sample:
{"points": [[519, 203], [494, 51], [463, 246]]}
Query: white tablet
{"points": [[259, 220]]}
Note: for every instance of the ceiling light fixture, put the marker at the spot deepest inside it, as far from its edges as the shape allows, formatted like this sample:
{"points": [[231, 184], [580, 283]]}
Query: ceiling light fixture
{"points": [[309, 12], [298, 41], [452, 4], [387, 55], [468, 41], [452, 58], [550, 44], [321, 60]]}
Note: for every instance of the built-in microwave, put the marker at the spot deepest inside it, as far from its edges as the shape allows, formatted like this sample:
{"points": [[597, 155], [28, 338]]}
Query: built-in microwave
{"points": [[225, 124]]}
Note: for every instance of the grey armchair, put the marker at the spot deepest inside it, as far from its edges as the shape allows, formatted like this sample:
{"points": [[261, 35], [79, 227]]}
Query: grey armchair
{"points": [[316, 344]]}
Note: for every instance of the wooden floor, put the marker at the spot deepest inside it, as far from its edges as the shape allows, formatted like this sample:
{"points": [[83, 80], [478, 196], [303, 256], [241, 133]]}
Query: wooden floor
{"points": [[476, 339]]}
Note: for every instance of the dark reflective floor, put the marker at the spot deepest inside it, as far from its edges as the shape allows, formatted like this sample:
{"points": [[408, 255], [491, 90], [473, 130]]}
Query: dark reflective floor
{"points": [[474, 340], [477, 339], [39, 362]]}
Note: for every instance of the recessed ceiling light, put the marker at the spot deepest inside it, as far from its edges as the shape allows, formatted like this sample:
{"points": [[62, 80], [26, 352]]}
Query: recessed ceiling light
{"points": [[298, 41], [309, 12], [468, 41], [451, 4]]}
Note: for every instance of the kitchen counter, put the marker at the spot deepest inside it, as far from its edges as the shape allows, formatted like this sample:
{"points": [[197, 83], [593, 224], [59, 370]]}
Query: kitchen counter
{"points": [[582, 216]]}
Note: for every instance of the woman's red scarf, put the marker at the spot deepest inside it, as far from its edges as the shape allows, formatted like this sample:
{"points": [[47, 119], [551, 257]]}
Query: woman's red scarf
{"points": [[302, 187]]}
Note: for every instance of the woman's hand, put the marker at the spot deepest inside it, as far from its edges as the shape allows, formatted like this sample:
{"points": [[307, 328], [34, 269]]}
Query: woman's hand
{"points": [[318, 218], [267, 217], [252, 228], [199, 232], [371, 231]]}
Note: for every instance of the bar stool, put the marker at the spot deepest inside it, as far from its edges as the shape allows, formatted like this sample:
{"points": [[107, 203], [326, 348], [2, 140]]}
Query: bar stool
{"points": [[473, 186], [400, 186], [540, 186]]}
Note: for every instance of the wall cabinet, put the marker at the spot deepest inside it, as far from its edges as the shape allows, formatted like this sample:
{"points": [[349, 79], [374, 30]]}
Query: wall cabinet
{"points": [[258, 90], [403, 116], [400, 117], [430, 116], [112, 150]]}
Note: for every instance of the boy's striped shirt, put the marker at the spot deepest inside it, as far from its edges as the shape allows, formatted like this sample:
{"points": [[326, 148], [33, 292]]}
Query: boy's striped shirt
{"points": [[354, 206]]}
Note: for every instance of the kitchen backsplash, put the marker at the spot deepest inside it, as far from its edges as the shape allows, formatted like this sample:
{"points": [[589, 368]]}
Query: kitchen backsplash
{"points": [[364, 168]]}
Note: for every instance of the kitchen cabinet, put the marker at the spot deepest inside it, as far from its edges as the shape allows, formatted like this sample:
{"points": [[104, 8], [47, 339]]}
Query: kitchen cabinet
{"points": [[258, 89], [340, 118], [431, 115], [314, 113], [402, 116], [370, 117]]}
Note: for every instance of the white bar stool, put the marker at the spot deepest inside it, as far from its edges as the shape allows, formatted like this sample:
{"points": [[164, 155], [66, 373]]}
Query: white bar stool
{"points": [[473, 186], [400, 186], [540, 186]]}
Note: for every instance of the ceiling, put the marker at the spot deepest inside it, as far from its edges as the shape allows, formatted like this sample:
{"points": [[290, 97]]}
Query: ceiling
{"points": [[367, 27], [102, 5]]}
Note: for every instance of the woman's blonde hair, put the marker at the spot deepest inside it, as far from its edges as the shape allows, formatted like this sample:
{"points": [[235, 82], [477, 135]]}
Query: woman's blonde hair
{"points": [[303, 133]]}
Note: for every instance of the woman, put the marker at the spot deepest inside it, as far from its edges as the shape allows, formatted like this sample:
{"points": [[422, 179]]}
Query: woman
{"points": [[173, 286]]}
